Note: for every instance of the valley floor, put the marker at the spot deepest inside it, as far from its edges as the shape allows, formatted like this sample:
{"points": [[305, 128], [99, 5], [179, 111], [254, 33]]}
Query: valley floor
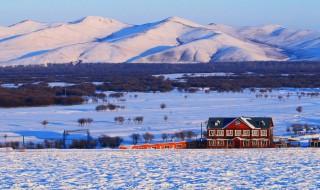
{"points": [[169, 169], [185, 111]]}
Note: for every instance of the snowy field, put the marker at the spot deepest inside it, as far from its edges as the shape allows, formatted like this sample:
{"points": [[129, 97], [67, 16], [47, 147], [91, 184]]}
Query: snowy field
{"points": [[185, 111], [151, 169]]}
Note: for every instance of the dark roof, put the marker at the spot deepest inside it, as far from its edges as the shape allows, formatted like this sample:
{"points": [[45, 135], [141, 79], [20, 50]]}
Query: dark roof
{"points": [[257, 122]]}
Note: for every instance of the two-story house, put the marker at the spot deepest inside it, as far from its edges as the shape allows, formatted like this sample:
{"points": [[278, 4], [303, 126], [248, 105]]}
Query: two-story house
{"points": [[240, 132]]}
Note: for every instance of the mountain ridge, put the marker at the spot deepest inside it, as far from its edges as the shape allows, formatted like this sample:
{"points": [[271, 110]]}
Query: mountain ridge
{"points": [[95, 39]]}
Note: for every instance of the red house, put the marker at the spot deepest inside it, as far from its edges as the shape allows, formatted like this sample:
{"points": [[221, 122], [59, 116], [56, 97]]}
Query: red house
{"points": [[240, 132]]}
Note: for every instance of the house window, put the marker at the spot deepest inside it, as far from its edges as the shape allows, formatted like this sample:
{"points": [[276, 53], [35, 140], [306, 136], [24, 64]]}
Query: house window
{"points": [[220, 142], [229, 133], [237, 122], [166, 147], [246, 133], [255, 143], [246, 143], [255, 133], [212, 143], [211, 133], [264, 133], [230, 142], [237, 133], [265, 143], [220, 133]]}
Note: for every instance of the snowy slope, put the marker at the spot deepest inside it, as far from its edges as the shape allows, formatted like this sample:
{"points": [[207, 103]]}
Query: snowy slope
{"points": [[172, 40], [22, 27], [42, 41], [300, 44]]}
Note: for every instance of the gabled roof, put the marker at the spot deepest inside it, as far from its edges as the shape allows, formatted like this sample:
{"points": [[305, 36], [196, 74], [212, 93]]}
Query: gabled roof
{"points": [[252, 122]]}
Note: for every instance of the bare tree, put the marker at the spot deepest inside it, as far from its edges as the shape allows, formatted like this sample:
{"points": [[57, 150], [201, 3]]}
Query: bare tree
{"points": [[135, 138], [172, 137], [299, 109], [138, 120], [44, 123], [163, 105], [82, 121], [89, 121], [180, 135], [148, 137], [119, 120], [164, 137], [190, 134]]}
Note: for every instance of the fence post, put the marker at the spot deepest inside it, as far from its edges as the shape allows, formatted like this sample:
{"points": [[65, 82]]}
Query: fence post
{"points": [[23, 141]]}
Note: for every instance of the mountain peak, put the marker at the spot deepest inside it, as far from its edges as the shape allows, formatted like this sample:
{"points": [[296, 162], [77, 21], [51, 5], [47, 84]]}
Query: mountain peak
{"points": [[94, 20], [26, 22], [181, 20], [272, 27]]}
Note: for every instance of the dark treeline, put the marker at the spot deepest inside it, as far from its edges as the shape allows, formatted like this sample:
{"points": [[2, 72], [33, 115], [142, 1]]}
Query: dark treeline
{"points": [[240, 82], [100, 142], [139, 78], [42, 95], [98, 72]]}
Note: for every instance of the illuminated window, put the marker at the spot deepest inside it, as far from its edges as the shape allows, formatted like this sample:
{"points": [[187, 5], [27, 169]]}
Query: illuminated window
{"points": [[246, 143], [265, 143], [255, 133], [264, 133], [220, 133], [255, 143], [246, 133], [220, 142], [237, 133], [212, 143], [211, 133], [229, 133]]}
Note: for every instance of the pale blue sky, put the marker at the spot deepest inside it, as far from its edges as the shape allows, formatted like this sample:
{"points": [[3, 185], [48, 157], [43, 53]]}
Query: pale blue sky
{"points": [[290, 13]]}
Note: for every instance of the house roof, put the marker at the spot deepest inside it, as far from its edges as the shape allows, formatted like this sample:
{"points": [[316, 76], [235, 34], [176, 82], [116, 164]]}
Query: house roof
{"points": [[252, 122]]}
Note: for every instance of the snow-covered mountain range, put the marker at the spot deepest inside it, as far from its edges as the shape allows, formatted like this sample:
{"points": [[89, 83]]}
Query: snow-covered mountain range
{"points": [[172, 40]]}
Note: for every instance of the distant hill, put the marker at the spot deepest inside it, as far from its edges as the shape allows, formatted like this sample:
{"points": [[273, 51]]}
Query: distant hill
{"points": [[172, 40]]}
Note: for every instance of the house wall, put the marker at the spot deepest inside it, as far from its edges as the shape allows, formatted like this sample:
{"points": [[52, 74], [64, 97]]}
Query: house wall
{"points": [[247, 139]]}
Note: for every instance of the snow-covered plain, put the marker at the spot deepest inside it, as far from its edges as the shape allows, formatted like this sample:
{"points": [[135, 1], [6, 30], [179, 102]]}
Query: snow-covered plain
{"points": [[169, 169], [185, 111]]}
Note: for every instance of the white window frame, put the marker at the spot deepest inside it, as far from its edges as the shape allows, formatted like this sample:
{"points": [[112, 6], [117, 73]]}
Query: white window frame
{"points": [[264, 133], [255, 142], [255, 133], [246, 133], [220, 142], [212, 133], [229, 133], [237, 133], [265, 142], [220, 133], [246, 143], [212, 142]]}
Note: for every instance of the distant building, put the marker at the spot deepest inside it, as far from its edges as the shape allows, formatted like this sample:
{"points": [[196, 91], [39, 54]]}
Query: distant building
{"points": [[167, 145], [315, 142], [240, 132]]}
